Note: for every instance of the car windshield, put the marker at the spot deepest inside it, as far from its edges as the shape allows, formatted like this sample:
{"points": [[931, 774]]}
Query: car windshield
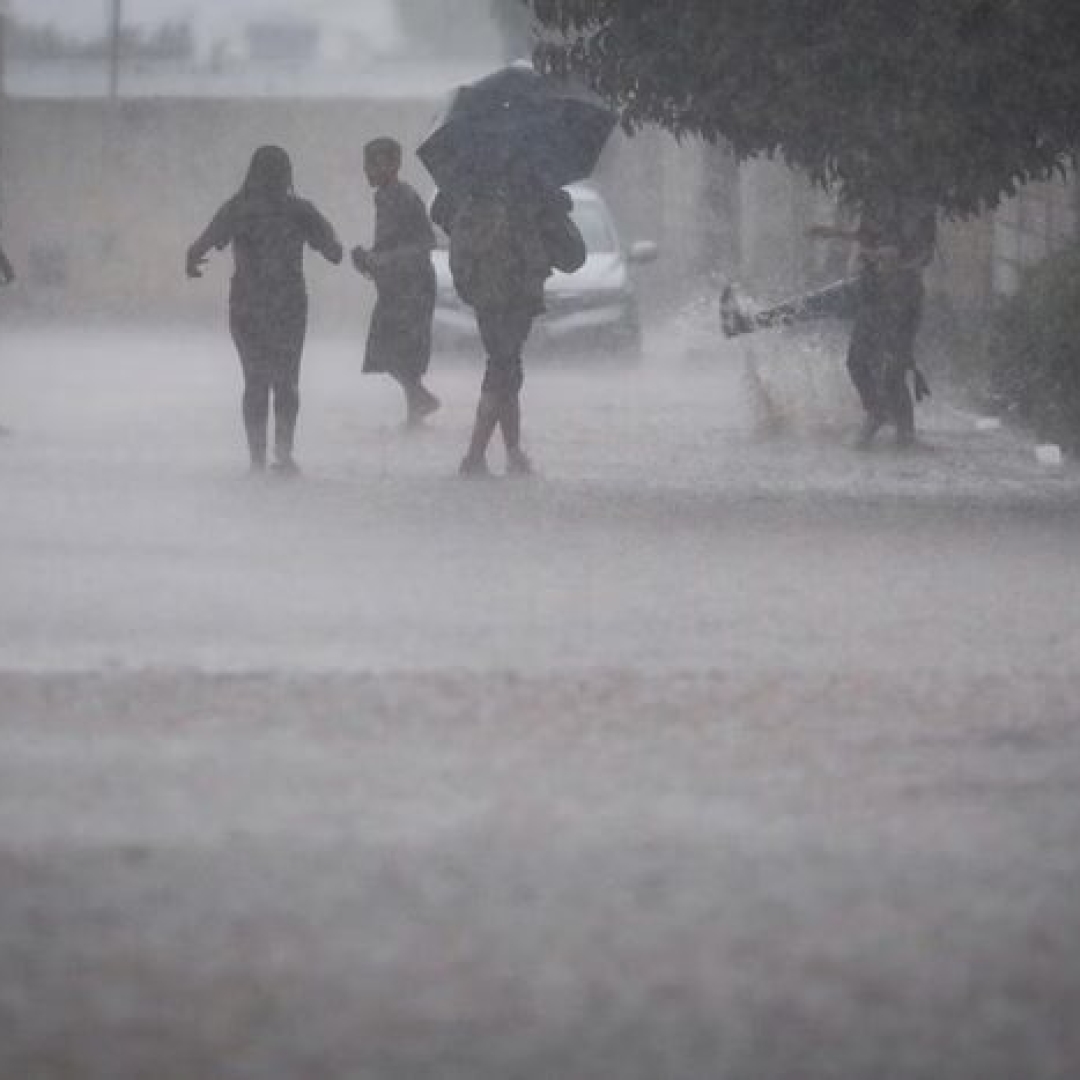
{"points": [[589, 216], [595, 227]]}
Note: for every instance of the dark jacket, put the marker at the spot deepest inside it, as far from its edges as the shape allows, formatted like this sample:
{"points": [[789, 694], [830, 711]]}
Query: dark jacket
{"points": [[891, 296], [504, 246]]}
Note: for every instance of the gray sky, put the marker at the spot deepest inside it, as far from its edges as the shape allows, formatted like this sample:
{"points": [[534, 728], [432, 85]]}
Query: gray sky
{"points": [[88, 17]]}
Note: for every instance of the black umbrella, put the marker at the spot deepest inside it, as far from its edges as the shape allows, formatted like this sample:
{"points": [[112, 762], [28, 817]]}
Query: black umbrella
{"points": [[517, 117]]}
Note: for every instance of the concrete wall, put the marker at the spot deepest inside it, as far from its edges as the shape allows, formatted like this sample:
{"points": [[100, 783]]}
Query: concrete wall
{"points": [[101, 200], [977, 260], [683, 196], [778, 205]]}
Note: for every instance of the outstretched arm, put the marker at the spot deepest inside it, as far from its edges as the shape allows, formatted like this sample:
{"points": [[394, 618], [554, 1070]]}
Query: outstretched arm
{"points": [[321, 236], [7, 271], [196, 258], [443, 211], [217, 235], [361, 260]]}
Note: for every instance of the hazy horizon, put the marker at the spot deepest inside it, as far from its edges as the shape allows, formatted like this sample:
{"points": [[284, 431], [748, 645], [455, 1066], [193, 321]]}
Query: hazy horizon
{"points": [[89, 18]]}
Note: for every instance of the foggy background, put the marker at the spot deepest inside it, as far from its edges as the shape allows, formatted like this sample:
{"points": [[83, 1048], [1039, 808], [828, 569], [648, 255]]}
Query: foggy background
{"points": [[717, 749], [118, 142], [114, 159], [253, 46]]}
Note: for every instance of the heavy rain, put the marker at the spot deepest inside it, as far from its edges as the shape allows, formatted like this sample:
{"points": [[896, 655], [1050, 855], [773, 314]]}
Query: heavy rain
{"points": [[539, 540]]}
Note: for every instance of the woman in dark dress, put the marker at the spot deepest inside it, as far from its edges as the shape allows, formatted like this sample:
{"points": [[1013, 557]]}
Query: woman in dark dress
{"points": [[268, 228]]}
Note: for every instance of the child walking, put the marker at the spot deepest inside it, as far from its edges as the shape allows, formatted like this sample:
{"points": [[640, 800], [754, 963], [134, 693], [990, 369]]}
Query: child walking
{"points": [[268, 228], [399, 262]]}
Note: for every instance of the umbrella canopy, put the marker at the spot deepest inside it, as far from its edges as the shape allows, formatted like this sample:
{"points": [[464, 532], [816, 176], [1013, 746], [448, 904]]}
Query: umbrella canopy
{"points": [[513, 118]]}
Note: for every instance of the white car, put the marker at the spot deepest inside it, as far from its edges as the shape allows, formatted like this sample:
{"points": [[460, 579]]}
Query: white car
{"points": [[594, 309]]}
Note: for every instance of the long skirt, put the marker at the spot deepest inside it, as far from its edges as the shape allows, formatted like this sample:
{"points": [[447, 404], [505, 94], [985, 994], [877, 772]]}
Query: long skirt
{"points": [[399, 341]]}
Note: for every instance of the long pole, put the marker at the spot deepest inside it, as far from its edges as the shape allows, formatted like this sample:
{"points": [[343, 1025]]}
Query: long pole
{"points": [[3, 46], [4, 15], [116, 23]]}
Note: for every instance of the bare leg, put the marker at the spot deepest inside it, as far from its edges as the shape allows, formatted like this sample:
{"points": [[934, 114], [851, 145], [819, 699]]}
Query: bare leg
{"points": [[420, 402], [256, 416], [901, 408], [517, 461], [503, 333], [510, 423], [286, 410], [487, 419]]}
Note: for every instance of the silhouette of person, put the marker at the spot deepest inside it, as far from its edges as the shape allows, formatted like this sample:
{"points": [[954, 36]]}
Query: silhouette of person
{"points": [[7, 277], [7, 271], [506, 237], [268, 227], [399, 263], [896, 237]]}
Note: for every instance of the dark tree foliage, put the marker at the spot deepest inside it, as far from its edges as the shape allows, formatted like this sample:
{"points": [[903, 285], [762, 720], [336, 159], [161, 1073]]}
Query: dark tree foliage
{"points": [[959, 101], [1035, 369]]}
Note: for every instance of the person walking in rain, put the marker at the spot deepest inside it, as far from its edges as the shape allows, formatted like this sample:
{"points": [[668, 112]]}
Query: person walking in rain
{"points": [[896, 237], [7, 277], [268, 227], [7, 271], [399, 263], [506, 237]]}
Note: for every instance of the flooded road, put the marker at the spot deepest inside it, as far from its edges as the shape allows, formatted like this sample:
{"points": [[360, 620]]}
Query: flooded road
{"points": [[704, 754]]}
